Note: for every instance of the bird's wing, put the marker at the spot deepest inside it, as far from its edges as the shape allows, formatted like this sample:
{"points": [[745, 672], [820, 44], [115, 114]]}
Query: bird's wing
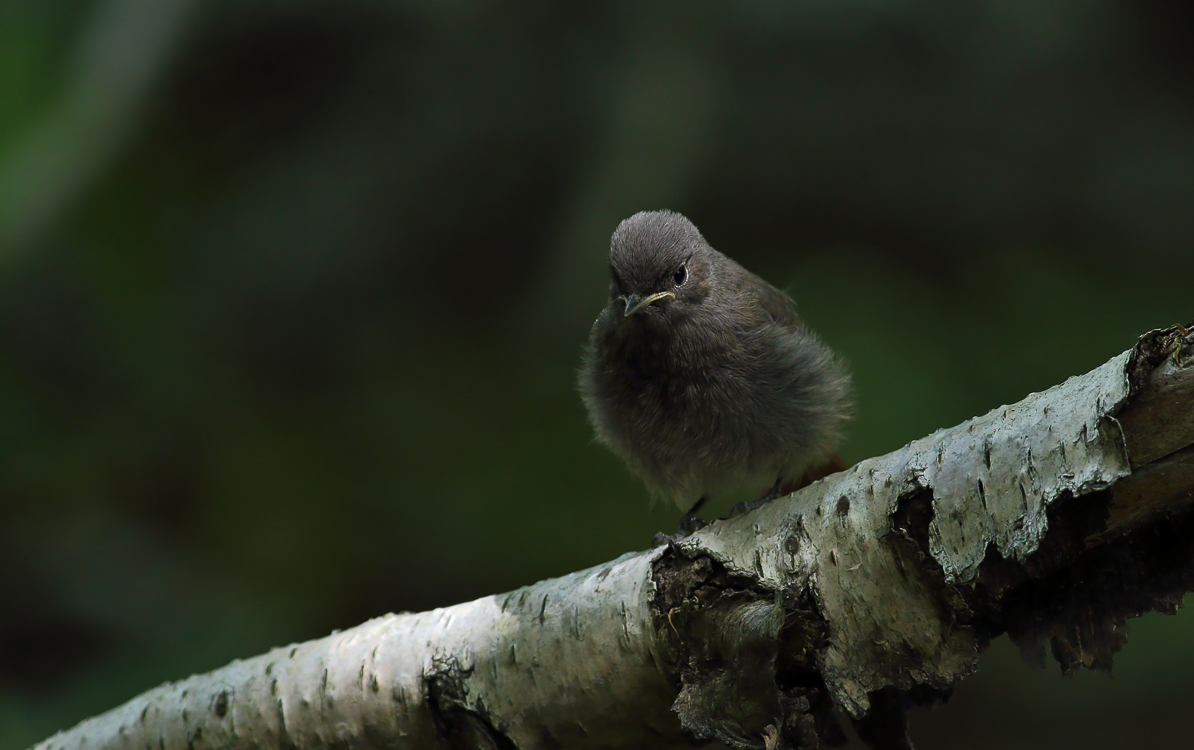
{"points": [[774, 303]]}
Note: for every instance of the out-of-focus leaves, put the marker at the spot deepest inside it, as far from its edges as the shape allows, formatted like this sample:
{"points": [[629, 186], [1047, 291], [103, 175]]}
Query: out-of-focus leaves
{"points": [[119, 51]]}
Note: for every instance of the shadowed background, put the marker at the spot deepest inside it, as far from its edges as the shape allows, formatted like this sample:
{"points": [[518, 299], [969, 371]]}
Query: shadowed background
{"points": [[292, 294]]}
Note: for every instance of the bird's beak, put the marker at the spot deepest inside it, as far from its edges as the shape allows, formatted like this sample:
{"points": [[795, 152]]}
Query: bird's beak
{"points": [[634, 303]]}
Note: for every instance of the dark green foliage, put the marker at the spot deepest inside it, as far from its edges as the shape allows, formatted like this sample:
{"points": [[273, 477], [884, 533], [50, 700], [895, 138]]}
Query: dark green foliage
{"points": [[295, 345]]}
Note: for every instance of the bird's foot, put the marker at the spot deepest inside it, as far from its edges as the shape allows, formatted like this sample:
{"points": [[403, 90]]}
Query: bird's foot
{"points": [[688, 524], [686, 529], [747, 506]]}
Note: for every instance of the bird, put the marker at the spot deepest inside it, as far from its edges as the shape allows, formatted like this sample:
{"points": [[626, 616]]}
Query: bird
{"points": [[702, 377]]}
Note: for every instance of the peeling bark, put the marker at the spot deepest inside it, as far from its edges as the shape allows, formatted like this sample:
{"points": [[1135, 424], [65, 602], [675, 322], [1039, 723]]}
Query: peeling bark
{"points": [[1054, 520]]}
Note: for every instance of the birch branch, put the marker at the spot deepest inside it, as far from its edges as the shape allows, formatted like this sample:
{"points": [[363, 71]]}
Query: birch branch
{"points": [[1054, 519]]}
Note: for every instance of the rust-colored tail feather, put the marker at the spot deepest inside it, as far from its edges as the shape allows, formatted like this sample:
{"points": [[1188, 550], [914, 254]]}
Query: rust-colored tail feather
{"points": [[835, 464]]}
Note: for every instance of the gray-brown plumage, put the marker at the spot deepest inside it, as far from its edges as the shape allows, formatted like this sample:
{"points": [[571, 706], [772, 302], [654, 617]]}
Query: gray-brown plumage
{"points": [[701, 375]]}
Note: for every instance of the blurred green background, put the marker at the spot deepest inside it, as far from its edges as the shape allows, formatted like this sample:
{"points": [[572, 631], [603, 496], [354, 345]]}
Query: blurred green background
{"points": [[292, 294]]}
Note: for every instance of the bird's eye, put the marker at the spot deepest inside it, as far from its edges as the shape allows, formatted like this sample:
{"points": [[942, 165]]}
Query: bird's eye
{"points": [[680, 276]]}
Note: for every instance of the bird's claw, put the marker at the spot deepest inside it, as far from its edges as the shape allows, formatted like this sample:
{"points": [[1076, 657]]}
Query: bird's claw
{"points": [[687, 527], [688, 524], [747, 506]]}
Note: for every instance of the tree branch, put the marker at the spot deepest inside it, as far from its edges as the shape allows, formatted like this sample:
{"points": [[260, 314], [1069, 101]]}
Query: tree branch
{"points": [[1054, 520]]}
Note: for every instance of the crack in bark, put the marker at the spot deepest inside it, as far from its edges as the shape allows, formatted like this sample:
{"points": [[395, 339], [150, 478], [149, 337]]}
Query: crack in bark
{"points": [[459, 725], [743, 658]]}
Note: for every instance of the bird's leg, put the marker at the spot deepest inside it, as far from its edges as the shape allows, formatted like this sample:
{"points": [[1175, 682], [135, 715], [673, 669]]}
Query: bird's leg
{"points": [[774, 492], [688, 524], [748, 505]]}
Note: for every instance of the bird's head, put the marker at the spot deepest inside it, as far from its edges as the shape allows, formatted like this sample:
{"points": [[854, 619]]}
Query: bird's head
{"points": [[659, 264]]}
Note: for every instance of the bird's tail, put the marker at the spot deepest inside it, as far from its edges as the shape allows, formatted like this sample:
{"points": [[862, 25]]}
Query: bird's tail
{"points": [[835, 464]]}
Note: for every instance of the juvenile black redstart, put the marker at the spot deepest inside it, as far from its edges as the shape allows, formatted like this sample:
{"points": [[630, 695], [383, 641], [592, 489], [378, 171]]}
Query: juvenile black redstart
{"points": [[701, 376]]}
